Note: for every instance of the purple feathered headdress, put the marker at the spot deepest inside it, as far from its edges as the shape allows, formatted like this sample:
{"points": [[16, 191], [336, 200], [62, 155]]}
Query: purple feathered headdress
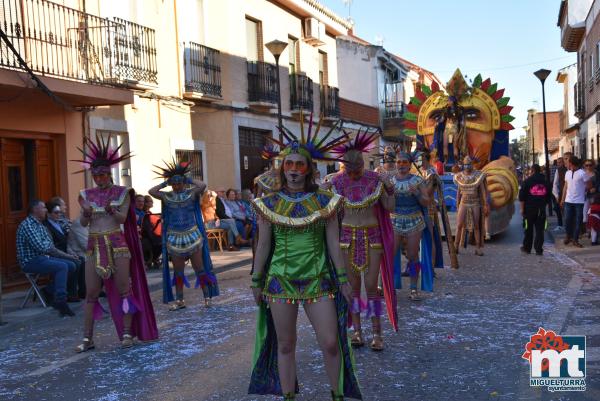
{"points": [[363, 142], [99, 156]]}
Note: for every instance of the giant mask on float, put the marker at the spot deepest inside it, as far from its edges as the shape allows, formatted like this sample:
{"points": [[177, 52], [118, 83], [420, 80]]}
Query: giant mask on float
{"points": [[468, 117], [474, 120]]}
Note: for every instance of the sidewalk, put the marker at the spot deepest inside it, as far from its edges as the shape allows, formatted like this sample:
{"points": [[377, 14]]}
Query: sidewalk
{"points": [[588, 256], [11, 302]]}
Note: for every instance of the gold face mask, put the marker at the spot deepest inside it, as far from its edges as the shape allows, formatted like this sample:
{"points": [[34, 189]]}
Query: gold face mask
{"points": [[480, 107]]}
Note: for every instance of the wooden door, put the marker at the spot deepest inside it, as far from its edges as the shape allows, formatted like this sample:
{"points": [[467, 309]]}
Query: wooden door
{"points": [[44, 171], [13, 203]]}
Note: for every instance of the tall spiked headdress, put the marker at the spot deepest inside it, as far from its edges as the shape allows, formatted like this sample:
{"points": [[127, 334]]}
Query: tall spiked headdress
{"points": [[309, 144], [99, 156], [363, 142], [173, 172]]}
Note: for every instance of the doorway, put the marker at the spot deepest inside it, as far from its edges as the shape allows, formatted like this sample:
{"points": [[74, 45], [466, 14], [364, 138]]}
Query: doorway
{"points": [[251, 142], [27, 171]]}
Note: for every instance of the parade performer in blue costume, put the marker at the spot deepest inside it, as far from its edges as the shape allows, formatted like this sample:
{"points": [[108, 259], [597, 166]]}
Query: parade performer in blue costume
{"points": [[434, 186], [409, 222], [298, 262], [184, 236]]}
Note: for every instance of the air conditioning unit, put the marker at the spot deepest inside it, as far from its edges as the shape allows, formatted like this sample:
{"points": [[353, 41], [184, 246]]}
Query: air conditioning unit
{"points": [[314, 32]]}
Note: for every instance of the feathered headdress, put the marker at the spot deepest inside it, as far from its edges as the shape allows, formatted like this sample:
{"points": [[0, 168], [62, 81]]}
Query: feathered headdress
{"points": [[410, 156], [99, 156], [309, 145], [173, 171], [363, 142]]}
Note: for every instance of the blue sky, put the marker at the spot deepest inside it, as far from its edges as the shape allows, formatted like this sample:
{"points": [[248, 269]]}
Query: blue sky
{"points": [[505, 40]]}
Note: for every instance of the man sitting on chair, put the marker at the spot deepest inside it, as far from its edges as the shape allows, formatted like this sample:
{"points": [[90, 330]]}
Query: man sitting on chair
{"points": [[37, 254]]}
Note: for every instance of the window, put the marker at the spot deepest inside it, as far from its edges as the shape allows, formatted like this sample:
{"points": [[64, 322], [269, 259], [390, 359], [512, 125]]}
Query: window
{"points": [[194, 157], [591, 66], [322, 68], [252, 40], [293, 55]]}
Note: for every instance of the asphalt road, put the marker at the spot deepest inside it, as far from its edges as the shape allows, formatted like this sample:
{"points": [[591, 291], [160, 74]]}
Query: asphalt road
{"points": [[462, 342]]}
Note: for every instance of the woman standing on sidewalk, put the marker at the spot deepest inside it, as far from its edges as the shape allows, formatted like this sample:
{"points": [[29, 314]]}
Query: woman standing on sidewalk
{"points": [[298, 261]]}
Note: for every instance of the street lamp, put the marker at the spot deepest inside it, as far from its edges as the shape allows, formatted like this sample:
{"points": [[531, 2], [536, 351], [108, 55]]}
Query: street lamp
{"points": [[276, 47], [542, 74]]}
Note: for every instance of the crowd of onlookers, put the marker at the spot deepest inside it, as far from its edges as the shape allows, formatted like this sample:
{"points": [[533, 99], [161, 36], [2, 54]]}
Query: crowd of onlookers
{"points": [[575, 197]]}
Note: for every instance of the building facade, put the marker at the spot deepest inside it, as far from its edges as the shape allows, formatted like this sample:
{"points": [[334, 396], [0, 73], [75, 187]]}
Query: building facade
{"points": [[580, 32]]}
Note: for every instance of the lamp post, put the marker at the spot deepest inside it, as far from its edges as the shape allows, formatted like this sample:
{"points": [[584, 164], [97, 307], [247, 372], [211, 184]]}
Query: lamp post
{"points": [[276, 47], [542, 74]]}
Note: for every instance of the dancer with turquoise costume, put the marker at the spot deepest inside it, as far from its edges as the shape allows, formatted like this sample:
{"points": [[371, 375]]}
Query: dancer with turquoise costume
{"points": [[114, 251], [298, 262], [366, 237], [184, 236], [409, 223]]}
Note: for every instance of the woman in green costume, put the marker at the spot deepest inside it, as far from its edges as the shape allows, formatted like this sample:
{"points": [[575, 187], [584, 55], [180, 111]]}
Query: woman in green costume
{"points": [[298, 262]]}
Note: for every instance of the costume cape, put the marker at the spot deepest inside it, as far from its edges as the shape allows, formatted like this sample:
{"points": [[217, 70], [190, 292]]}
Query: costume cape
{"points": [[143, 324], [425, 253], [207, 280]]}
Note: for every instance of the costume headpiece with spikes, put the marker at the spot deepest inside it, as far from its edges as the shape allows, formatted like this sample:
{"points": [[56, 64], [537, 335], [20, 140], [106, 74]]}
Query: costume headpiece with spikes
{"points": [[99, 156], [363, 142], [309, 145], [174, 172]]}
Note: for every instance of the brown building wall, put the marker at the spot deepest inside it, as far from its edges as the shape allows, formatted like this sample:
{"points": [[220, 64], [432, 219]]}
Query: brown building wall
{"points": [[554, 124], [360, 113]]}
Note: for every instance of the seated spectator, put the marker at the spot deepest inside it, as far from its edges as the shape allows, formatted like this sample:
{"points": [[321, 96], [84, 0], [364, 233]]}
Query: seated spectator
{"points": [[151, 231], [59, 238], [213, 212], [63, 220], [238, 213], [77, 245], [36, 253], [140, 211]]}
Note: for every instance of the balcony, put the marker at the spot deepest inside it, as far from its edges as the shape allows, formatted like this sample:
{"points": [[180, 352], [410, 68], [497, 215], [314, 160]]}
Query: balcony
{"points": [[393, 109], [202, 68], [330, 102], [62, 44], [301, 93], [393, 120], [262, 84]]}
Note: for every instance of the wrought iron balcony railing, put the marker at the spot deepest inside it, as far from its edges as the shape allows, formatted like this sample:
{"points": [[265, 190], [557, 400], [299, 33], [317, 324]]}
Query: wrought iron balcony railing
{"points": [[66, 43], [301, 92], [202, 69], [394, 109], [262, 82], [330, 101]]}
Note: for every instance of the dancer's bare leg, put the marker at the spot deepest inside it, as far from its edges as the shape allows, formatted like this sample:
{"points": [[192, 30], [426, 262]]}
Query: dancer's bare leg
{"points": [[93, 286], [373, 296], [323, 317], [285, 317], [122, 281], [354, 278]]}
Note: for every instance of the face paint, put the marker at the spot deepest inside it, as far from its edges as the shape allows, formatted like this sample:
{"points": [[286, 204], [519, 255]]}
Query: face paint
{"points": [[299, 166], [403, 165], [295, 168], [102, 180]]}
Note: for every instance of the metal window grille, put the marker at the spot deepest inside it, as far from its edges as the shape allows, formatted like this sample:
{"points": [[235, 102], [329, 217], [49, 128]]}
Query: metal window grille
{"points": [[195, 158]]}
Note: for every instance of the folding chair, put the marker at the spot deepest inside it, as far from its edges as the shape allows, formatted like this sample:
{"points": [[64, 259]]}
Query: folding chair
{"points": [[218, 235], [33, 290]]}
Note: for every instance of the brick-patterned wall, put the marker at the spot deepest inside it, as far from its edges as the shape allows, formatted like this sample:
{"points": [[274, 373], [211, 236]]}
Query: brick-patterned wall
{"points": [[350, 110], [553, 123]]}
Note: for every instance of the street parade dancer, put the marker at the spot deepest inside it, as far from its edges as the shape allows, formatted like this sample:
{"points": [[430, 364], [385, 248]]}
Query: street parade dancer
{"points": [[472, 206], [433, 185], [113, 255], [184, 236], [298, 262], [409, 221], [366, 237]]}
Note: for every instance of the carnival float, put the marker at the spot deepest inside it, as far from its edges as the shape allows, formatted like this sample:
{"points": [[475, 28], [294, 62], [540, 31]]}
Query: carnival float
{"points": [[468, 120]]}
